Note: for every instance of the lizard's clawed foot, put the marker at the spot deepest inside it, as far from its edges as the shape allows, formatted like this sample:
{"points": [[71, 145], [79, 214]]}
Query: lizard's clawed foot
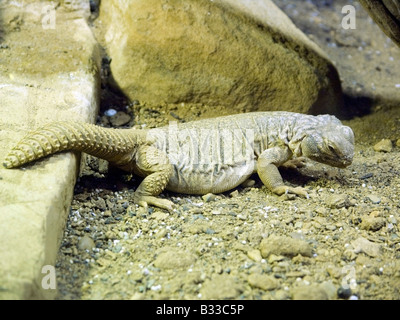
{"points": [[295, 163], [299, 191], [144, 201]]}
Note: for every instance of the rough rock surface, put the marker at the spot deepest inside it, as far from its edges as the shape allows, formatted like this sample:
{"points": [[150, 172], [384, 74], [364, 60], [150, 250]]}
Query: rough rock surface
{"points": [[48, 71], [242, 55]]}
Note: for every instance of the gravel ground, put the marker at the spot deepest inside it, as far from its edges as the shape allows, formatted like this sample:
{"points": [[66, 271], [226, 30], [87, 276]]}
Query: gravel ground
{"points": [[341, 243]]}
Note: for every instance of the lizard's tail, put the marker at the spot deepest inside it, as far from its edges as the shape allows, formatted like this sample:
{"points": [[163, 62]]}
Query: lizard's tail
{"points": [[106, 143]]}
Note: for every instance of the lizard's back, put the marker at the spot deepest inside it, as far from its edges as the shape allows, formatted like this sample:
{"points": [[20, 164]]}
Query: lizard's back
{"points": [[215, 155]]}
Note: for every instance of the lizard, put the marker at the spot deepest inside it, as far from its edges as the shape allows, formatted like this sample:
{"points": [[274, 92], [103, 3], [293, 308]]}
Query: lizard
{"points": [[205, 156]]}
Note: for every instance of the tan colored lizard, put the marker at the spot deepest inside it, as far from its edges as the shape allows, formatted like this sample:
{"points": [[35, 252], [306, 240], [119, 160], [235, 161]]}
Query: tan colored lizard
{"points": [[199, 157]]}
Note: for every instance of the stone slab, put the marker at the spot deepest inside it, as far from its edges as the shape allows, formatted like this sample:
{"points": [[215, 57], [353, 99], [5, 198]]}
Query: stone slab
{"points": [[49, 70]]}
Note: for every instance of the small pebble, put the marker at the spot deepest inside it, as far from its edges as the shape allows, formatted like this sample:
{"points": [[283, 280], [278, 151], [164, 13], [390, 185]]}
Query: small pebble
{"points": [[137, 296], [110, 112], [262, 281], [323, 291], [234, 194], [367, 176], [364, 245], [208, 197], [159, 215], [86, 243], [372, 223], [221, 286], [374, 199], [117, 248], [344, 293], [254, 255], [385, 145], [337, 201], [174, 259], [274, 258], [120, 119], [281, 245], [330, 227], [281, 295]]}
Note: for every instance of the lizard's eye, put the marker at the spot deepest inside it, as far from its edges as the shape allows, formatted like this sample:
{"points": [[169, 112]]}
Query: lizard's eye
{"points": [[332, 149]]}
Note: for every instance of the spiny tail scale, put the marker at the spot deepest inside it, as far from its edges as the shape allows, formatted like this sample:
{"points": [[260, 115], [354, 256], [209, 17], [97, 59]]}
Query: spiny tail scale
{"points": [[106, 143]]}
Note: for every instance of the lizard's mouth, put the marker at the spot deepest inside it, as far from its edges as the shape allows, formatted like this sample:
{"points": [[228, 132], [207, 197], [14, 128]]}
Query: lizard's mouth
{"points": [[344, 164], [335, 162], [332, 160]]}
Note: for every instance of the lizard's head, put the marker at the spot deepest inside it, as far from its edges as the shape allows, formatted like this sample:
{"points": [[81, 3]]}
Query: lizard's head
{"points": [[332, 145]]}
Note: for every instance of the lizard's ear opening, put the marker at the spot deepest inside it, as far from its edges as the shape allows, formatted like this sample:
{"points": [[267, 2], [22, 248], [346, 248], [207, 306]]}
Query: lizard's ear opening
{"points": [[309, 146]]}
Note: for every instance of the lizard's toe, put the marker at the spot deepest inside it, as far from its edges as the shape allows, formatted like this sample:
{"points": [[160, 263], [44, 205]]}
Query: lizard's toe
{"points": [[295, 163], [299, 191], [164, 204], [142, 204], [144, 201]]}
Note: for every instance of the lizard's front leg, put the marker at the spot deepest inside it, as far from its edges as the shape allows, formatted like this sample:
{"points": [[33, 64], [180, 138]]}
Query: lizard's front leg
{"points": [[267, 169], [155, 166]]}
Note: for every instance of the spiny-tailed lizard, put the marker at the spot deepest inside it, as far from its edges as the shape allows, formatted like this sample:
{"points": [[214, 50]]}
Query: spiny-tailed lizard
{"points": [[200, 157]]}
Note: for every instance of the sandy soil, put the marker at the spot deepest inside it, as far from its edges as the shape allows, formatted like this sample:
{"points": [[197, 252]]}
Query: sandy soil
{"points": [[342, 243]]}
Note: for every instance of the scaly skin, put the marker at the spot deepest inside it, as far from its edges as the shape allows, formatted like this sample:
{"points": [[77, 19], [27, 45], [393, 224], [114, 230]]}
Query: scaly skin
{"points": [[210, 155]]}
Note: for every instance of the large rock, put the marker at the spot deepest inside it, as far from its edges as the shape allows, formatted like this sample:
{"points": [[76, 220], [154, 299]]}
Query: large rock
{"points": [[239, 54], [386, 14]]}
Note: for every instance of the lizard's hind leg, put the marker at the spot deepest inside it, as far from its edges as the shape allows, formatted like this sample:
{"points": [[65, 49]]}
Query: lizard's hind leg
{"points": [[155, 166]]}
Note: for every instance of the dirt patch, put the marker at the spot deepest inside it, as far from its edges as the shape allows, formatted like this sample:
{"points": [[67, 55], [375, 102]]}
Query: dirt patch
{"points": [[342, 243]]}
